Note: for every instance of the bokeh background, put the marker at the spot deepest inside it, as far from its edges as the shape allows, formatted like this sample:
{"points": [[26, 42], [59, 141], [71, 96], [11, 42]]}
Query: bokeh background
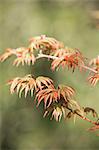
{"points": [[76, 23]]}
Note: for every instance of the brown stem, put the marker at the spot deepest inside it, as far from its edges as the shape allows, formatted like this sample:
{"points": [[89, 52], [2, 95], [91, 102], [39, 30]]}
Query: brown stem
{"points": [[82, 117], [87, 119]]}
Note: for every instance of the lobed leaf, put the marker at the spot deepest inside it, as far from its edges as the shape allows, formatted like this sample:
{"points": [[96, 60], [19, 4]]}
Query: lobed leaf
{"points": [[29, 84], [56, 112], [94, 61], [71, 60], [94, 79], [48, 96], [7, 54], [45, 44], [25, 84], [65, 91], [88, 110], [42, 82], [23, 56]]}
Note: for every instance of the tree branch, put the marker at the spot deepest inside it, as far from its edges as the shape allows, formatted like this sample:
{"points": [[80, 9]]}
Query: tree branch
{"points": [[54, 57], [83, 117]]}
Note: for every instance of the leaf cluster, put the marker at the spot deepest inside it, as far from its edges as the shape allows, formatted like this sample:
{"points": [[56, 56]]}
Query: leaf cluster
{"points": [[58, 101]]}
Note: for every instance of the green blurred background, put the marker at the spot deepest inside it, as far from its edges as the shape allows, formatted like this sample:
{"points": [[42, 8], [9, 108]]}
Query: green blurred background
{"points": [[76, 23]]}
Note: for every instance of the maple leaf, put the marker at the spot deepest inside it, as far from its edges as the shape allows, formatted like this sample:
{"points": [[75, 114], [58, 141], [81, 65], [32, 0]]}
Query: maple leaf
{"points": [[24, 59], [23, 55], [94, 61], [63, 52], [25, 84], [44, 44], [88, 110], [56, 112], [94, 77], [48, 96], [65, 91], [42, 82], [28, 83], [71, 60], [7, 54]]}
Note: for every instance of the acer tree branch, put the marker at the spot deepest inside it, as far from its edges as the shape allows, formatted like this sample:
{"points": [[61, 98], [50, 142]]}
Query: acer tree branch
{"points": [[57, 100], [54, 57]]}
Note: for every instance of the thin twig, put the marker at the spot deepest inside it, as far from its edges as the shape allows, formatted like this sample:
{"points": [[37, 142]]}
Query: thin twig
{"points": [[87, 119], [83, 117], [54, 57], [88, 68], [46, 56]]}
